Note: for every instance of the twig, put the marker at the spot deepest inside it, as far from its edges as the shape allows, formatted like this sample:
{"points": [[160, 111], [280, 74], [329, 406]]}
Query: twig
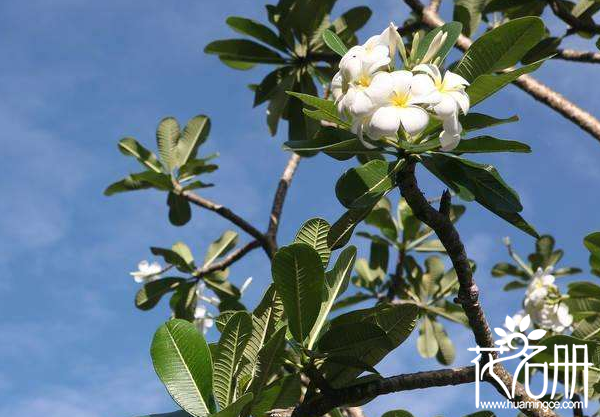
{"points": [[279, 199], [322, 404], [229, 215], [576, 23], [468, 293], [578, 56], [227, 261], [530, 85]]}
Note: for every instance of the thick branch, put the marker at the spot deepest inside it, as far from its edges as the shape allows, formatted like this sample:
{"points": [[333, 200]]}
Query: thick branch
{"points": [[530, 85], [565, 15], [468, 293], [229, 215], [356, 393], [578, 56], [279, 199], [227, 261]]}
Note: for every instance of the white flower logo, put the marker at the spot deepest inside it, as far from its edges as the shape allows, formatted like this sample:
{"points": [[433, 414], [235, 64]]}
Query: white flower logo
{"points": [[516, 327]]}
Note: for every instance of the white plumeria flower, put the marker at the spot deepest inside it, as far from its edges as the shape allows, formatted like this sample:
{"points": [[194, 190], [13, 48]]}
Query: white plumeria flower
{"points": [[200, 288], [202, 319], [397, 104], [434, 47], [541, 284], [355, 102], [453, 100], [553, 317], [146, 272]]}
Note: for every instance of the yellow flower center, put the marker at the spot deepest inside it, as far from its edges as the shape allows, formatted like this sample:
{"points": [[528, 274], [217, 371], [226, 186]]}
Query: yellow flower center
{"points": [[364, 81], [400, 100]]}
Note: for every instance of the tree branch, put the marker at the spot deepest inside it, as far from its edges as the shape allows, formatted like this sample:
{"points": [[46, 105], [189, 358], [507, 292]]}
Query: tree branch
{"points": [[578, 56], [530, 85], [279, 199], [227, 261], [468, 293], [322, 404], [228, 214]]}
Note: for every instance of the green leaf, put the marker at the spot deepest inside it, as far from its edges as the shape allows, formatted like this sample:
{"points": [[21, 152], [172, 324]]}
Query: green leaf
{"points": [[229, 352], [182, 361], [476, 121], [175, 256], [501, 48], [195, 167], [336, 143], [237, 65], [487, 84], [348, 23], [194, 134], [446, 352], [314, 233], [468, 12], [381, 218], [167, 136], [130, 146], [270, 84], [501, 269], [256, 30], [151, 293], [179, 413], [184, 300], [543, 50], [180, 211], [266, 316], [235, 409], [243, 50], [341, 231], [337, 282], [300, 282], [473, 181], [185, 253], [128, 183], [483, 144], [365, 185], [427, 344], [397, 413], [592, 243], [357, 338], [279, 103], [334, 42], [221, 246], [269, 360], [326, 107]]}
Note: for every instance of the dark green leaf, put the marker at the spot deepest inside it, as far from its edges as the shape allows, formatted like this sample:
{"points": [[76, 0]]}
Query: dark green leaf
{"points": [[151, 293], [341, 231], [221, 246], [235, 409], [182, 361], [485, 144], [256, 30], [180, 211], [500, 48], [243, 50], [300, 282], [365, 185]]}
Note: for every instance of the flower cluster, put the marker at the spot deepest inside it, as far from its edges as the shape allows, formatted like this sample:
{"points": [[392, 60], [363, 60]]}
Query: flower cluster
{"points": [[382, 102], [543, 302]]}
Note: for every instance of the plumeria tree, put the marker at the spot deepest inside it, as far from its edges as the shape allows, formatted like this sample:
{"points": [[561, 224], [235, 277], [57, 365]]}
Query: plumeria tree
{"points": [[394, 104]]}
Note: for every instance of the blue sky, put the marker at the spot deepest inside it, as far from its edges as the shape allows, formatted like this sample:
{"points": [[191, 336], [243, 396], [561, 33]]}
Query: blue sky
{"points": [[79, 75]]}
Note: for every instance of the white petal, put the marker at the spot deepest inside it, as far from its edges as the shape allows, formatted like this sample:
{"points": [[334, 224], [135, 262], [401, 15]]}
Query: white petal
{"points": [[432, 70], [414, 119], [361, 105], [245, 285], [375, 63], [509, 323], [381, 88], [422, 85], [525, 322], [372, 41], [384, 122], [447, 106], [452, 80], [449, 141], [143, 265], [462, 98], [358, 129], [402, 81]]}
